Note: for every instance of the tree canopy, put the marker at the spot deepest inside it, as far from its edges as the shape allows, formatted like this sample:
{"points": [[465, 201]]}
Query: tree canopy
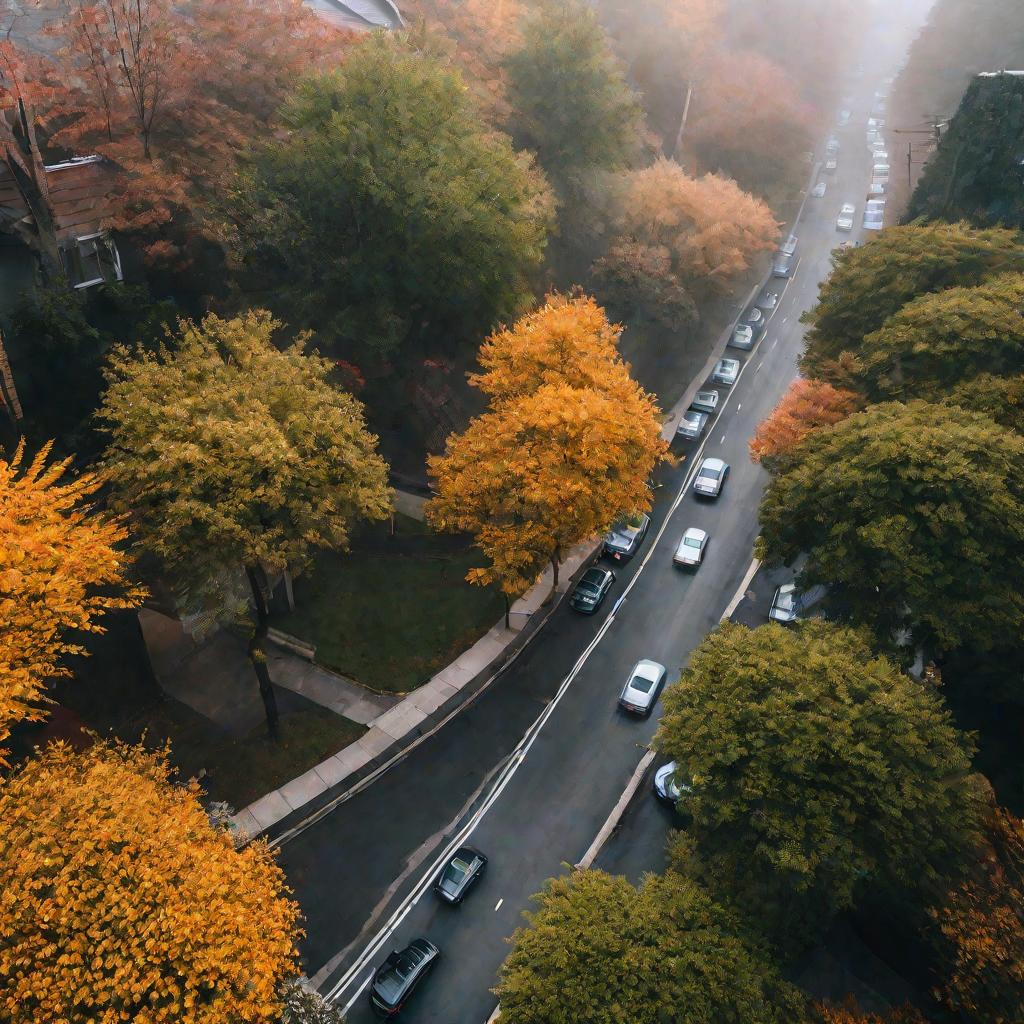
{"points": [[871, 282], [913, 515], [390, 212], [228, 453], [816, 766], [63, 568], [122, 902], [570, 101], [598, 949], [567, 446], [939, 340]]}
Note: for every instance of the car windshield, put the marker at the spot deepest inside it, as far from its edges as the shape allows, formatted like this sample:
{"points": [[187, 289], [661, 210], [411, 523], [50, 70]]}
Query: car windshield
{"points": [[641, 684], [710, 473], [391, 983], [708, 397], [692, 417], [691, 542], [455, 872], [586, 589], [592, 578], [786, 601]]}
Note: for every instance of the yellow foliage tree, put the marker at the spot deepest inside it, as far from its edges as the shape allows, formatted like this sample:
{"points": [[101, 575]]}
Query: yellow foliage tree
{"points": [[60, 571], [567, 447], [119, 901]]}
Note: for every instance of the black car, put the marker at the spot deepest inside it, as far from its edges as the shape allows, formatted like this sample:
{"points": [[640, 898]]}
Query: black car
{"points": [[592, 589], [399, 975], [767, 300], [625, 537], [782, 265], [462, 870], [755, 319]]}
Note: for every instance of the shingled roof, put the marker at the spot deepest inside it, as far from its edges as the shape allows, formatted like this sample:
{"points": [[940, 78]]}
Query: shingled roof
{"points": [[82, 195]]}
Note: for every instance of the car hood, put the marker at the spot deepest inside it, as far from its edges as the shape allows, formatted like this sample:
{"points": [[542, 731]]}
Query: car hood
{"points": [[623, 537]]}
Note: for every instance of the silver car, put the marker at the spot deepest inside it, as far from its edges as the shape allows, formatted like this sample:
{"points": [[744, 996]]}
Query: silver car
{"points": [[690, 550], [710, 478], [844, 222], [668, 786], [643, 688], [691, 426], [705, 401], [742, 337], [726, 371]]}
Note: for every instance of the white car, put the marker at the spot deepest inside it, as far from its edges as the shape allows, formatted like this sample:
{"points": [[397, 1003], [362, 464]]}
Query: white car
{"points": [[874, 220], [726, 371], [742, 337], [690, 550], [705, 401], [643, 687], [710, 478], [668, 786], [877, 188], [844, 222], [831, 164], [819, 190]]}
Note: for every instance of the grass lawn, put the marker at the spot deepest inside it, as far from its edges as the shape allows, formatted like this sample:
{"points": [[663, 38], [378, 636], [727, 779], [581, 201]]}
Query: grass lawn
{"points": [[395, 610], [238, 770]]}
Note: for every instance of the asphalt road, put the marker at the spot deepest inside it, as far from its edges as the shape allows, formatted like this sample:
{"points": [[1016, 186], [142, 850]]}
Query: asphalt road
{"points": [[534, 805]]}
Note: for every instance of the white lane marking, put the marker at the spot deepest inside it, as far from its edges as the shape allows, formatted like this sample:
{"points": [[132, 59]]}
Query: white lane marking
{"points": [[518, 755], [757, 369], [358, 992], [785, 319], [722, 441], [738, 407], [773, 344], [497, 906]]}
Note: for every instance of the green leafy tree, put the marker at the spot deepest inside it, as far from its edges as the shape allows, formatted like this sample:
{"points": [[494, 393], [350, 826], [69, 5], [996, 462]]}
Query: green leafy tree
{"points": [[599, 950], [227, 453], [1001, 398], [870, 283], [914, 515], [571, 103], [816, 766], [938, 341], [390, 212]]}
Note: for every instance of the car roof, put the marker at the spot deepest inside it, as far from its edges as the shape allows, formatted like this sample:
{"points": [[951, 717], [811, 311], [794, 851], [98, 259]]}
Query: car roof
{"points": [[712, 463], [848, 208], [695, 531], [648, 669], [595, 572]]}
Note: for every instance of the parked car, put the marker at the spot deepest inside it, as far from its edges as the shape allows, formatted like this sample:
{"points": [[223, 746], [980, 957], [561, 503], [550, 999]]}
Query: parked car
{"points": [[880, 156], [592, 589], [643, 687], [832, 146], [782, 264], [789, 604], [726, 371], [400, 974], [844, 118], [625, 537], [463, 869], [844, 222], [767, 300], [668, 785], [789, 245], [831, 164], [877, 188], [705, 401], [819, 190], [755, 318], [874, 220], [691, 426], [880, 172], [742, 337], [710, 478], [690, 550]]}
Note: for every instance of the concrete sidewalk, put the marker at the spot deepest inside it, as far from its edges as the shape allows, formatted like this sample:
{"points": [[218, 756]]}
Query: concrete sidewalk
{"points": [[390, 730]]}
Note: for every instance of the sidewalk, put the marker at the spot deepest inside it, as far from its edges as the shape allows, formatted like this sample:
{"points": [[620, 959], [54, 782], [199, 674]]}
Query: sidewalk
{"points": [[391, 730]]}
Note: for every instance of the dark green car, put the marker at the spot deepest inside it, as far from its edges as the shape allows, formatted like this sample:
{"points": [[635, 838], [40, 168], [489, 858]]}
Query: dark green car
{"points": [[592, 589]]}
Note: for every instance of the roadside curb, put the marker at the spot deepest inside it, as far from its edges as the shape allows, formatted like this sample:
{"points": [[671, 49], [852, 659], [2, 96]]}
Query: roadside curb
{"points": [[292, 820]]}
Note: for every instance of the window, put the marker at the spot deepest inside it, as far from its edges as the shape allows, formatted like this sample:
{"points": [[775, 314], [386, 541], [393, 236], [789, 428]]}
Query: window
{"points": [[91, 260]]}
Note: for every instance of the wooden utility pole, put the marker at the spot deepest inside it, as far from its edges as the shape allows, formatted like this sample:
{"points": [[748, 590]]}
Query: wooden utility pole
{"points": [[8, 391]]}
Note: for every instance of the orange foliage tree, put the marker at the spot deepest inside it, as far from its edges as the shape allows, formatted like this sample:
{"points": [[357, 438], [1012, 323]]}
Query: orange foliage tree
{"points": [[120, 901], [171, 93], [851, 1013], [806, 406], [981, 931], [709, 227], [567, 446], [60, 570]]}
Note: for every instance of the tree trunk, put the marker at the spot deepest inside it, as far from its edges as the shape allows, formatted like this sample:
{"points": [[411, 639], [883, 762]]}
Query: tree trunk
{"points": [[257, 654], [508, 610], [554, 569]]}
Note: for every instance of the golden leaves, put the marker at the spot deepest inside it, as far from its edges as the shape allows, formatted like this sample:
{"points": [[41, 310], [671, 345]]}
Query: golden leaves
{"points": [[61, 572], [120, 902]]}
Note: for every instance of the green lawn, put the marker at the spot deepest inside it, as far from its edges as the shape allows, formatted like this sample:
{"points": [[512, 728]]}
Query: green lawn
{"points": [[244, 769], [395, 610]]}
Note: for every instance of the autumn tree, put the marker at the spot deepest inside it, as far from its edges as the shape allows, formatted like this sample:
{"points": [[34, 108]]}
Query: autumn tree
{"points": [[600, 950], [870, 283], [939, 340], [122, 902], [851, 1013], [390, 213], [708, 228], [807, 405], [896, 507], [228, 453], [172, 92], [749, 121], [817, 767], [570, 101], [979, 930], [61, 570], [566, 448], [999, 398]]}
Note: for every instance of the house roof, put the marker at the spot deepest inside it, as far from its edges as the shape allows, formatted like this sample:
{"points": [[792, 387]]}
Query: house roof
{"points": [[81, 194]]}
